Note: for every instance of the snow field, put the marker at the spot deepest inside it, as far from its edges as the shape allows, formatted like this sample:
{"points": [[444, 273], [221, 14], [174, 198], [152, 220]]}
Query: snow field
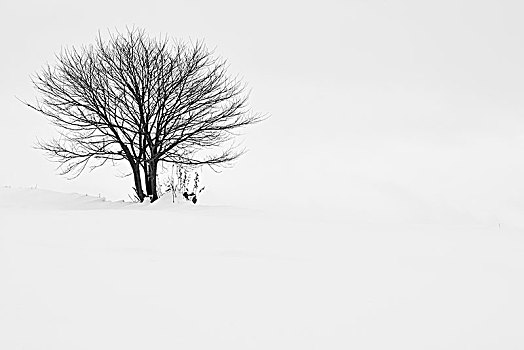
{"points": [[80, 273]]}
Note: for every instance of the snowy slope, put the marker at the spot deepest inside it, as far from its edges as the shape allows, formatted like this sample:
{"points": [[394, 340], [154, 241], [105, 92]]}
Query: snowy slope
{"points": [[78, 272]]}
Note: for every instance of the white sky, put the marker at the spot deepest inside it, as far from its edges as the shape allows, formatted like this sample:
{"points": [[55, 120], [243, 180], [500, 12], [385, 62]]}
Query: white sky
{"points": [[422, 96]]}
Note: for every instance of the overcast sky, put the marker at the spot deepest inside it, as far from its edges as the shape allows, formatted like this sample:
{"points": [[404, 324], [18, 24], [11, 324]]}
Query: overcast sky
{"points": [[426, 97]]}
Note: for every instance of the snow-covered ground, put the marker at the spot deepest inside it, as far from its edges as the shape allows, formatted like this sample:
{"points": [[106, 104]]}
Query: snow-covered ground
{"points": [[79, 272]]}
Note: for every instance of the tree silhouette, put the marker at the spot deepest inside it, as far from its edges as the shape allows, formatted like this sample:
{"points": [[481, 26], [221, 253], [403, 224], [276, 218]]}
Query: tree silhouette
{"points": [[141, 100]]}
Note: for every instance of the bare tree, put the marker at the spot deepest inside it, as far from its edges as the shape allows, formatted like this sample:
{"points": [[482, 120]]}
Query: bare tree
{"points": [[141, 100]]}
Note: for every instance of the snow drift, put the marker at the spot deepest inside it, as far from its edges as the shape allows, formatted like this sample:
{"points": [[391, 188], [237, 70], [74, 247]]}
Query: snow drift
{"points": [[79, 272]]}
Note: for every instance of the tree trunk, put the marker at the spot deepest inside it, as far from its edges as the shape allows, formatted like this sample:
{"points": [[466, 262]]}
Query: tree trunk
{"points": [[147, 175], [138, 182], [153, 166]]}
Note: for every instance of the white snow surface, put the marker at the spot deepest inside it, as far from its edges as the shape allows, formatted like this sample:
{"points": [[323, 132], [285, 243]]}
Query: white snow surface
{"points": [[80, 272]]}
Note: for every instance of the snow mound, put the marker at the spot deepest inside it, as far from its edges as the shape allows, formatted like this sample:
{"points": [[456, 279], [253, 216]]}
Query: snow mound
{"points": [[33, 198]]}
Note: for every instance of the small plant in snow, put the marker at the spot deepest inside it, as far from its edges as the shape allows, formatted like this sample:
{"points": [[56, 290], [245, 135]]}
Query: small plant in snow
{"points": [[193, 195], [179, 183]]}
